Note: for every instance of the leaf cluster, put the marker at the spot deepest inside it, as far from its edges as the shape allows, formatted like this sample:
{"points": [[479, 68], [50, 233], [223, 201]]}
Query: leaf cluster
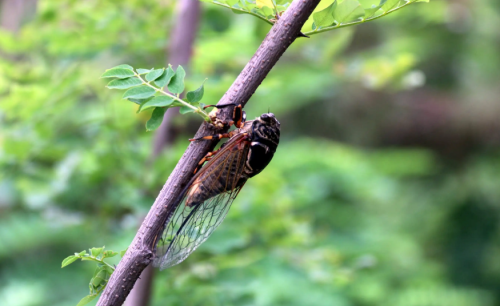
{"points": [[101, 274], [329, 15], [145, 87]]}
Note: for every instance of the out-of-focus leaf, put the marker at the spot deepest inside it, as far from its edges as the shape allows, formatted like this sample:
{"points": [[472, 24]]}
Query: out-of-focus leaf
{"points": [[125, 66], [124, 83], [176, 84], [109, 254], [165, 78], [120, 73], [261, 3], [141, 92], [348, 10], [267, 11], [324, 17], [185, 110], [96, 251], [389, 5], [100, 276], [195, 95], [154, 74], [143, 71], [371, 6], [159, 101], [156, 118], [68, 260], [139, 101], [86, 300]]}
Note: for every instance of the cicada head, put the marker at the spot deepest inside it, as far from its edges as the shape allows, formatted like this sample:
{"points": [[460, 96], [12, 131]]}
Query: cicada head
{"points": [[269, 127]]}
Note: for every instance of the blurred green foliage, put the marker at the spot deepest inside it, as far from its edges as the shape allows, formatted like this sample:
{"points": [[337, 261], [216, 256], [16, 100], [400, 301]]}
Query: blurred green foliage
{"points": [[384, 190]]}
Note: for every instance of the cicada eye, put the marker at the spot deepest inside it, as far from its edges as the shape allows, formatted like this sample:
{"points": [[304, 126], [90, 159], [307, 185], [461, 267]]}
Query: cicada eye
{"points": [[265, 117]]}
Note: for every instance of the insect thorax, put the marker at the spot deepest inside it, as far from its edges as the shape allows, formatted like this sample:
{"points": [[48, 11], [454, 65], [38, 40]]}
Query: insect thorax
{"points": [[264, 139]]}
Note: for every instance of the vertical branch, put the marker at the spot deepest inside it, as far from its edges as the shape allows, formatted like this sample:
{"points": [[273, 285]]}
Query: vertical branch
{"points": [[13, 12], [141, 251]]}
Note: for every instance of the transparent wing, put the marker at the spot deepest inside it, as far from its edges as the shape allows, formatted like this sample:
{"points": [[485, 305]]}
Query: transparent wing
{"points": [[204, 205]]}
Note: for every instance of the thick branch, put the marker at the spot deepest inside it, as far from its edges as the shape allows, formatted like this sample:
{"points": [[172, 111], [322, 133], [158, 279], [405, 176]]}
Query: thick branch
{"points": [[140, 253]]}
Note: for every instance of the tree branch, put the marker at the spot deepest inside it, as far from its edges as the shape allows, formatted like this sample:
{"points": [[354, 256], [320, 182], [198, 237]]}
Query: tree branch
{"points": [[140, 253]]}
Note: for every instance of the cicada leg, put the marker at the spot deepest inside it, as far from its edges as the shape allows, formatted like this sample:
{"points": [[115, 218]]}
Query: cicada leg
{"points": [[214, 137], [239, 118], [204, 159], [239, 115]]}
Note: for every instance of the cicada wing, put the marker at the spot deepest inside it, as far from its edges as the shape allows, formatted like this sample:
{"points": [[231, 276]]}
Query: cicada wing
{"points": [[190, 227], [217, 185]]}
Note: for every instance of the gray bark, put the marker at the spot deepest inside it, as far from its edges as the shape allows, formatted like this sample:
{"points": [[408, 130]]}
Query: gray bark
{"points": [[140, 253]]}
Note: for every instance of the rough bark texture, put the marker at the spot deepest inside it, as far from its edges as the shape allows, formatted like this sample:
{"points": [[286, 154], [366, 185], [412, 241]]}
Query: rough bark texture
{"points": [[179, 53], [140, 253]]}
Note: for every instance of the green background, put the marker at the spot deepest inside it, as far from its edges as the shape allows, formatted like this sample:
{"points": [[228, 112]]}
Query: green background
{"points": [[385, 189]]}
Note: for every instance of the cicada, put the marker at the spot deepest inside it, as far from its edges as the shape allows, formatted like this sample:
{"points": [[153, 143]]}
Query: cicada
{"points": [[205, 201]]}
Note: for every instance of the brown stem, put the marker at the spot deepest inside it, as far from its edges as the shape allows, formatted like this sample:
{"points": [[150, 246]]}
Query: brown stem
{"points": [[140, 253]]}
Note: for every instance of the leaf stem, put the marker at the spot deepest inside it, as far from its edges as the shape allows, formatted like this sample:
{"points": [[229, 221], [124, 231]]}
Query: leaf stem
{"points": [[99, 261], [176, 98]]}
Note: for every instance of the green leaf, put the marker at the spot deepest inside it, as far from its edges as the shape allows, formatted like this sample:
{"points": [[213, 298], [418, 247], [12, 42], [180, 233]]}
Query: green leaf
{"points": [[143, 71], [156, 119], [165, 78], [196, 95], [100, 276], [177, 83], [267, 11], [69, 260], [371, 6], [86, 300], [139, 101], [82, 253], [141, 92], [159, 101], [109, 254], [120, 73], [124, 66], [88, 258], [124, 83], [184, 110], [154, 74], [348, 10], [389, 5], [324, 17], [96, 251], [123, 252]]}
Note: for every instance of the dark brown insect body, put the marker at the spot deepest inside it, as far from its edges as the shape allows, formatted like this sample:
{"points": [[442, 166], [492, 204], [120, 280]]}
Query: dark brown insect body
{"points": [[209, 194], [256, 141]]}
